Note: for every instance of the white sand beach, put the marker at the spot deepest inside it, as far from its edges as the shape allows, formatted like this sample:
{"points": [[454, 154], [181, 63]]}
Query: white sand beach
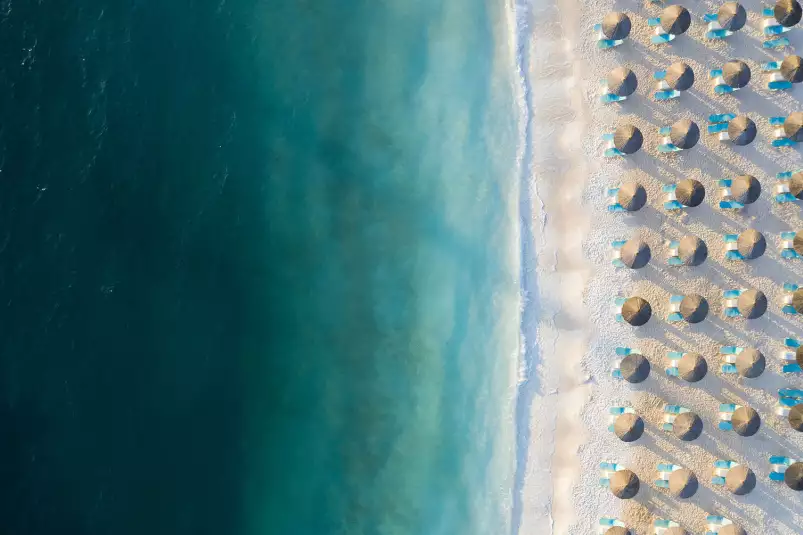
{"points": [[576, 333]]}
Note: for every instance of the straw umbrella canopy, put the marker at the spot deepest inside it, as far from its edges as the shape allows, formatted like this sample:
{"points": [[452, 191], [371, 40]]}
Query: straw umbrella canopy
{"points": [[732, 16], [675, 20], [628, 139], [732, 529], [792, 69], [787, 12], [635, 368], [635, 253], [624, 484], [751, 244], [797, 300], [636, 311], [797, 242], [632, 196], [675, 530], [793, 477], [740, 480], [799, 356], [622, 82], [617, 530], [750, 363], [742, 130], [796, 417], [684, 134], [628, 427], [752, 304], [692, 251], [793, 126], [745, 421], [694, 308], [683, 483], [692, 367], [689, 192], [736, 73], [679, 76], [745, 189], [616, 25], [687, 426], [796, 185]]}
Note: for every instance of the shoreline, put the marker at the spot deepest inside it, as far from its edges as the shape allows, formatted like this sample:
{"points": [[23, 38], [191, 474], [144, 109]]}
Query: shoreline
{"points": [[555, 328], [526, 384]]}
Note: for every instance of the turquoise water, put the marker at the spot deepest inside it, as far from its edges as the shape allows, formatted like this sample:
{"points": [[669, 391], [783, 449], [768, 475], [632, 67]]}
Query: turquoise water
{"points": [[260, 267]]}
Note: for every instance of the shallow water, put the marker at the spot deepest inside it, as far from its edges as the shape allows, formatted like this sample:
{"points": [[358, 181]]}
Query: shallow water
{"points": [[260, 267]]}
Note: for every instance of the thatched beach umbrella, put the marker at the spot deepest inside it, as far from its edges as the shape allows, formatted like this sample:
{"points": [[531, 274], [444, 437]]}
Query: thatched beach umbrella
{"points": [[750, 363], [689, 192], [628, 139], [797, 242], [745, 421], [793, 477], [797, 301], [616, 25], [740, 480], [752, 304], [687, 426], [679, 76], [694, 308], [792, 69], [796, 185], [617, 530], [632, 196], [692, 367], [745, 189], [796, 417], [622, 82], [628, 427], [799, 356], [624, 484], [684, 134], [635, 368], [675, 20], [732, 529], [736, 73], [683, 483], [635, 253], [675, 530], [732, 16], [793, 126], [692, 251], [751, 244], [636, 311], [787, 12], [742, 130]]}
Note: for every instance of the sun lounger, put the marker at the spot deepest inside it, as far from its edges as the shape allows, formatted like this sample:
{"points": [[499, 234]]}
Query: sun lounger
{"points": [[729, 354], [605, 523], [789, 289], [779, 464], [721, 468], [602, 41], [787, 245], [715, 523]]}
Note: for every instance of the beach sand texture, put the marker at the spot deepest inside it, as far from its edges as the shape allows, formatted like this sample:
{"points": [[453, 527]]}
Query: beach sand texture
{"points": [[577, 332]]}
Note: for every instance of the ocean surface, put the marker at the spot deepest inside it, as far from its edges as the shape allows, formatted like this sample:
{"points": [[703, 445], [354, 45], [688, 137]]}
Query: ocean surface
{"points": [[259, 267]]}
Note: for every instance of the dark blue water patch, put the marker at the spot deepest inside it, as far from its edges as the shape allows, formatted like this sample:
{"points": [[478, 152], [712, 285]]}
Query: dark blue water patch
{"points": [[125, 272]]}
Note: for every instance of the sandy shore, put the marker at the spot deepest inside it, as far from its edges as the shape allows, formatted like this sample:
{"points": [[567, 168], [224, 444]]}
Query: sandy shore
{"points": [[576, 282]]}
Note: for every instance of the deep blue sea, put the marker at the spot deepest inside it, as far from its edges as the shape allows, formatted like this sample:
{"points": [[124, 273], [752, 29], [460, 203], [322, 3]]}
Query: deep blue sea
{"points": [[259, 267]]}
